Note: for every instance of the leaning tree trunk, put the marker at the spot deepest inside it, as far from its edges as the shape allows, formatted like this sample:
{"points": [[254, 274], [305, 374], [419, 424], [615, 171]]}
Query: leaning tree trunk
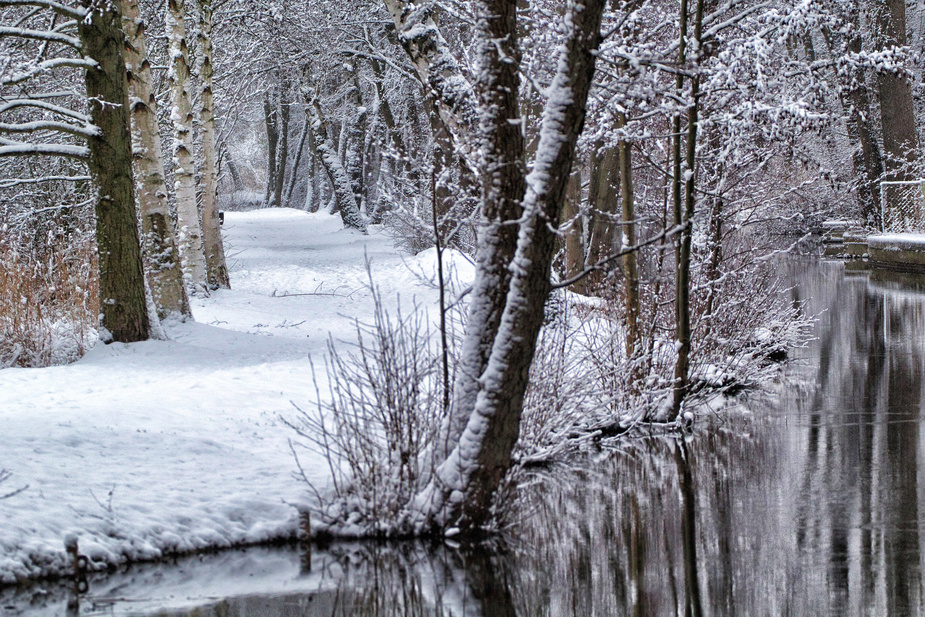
{"points": [[326, 152], [501, 146], [465, 484], [216, 269], [191, 248], [158, 235], [123, 309]]}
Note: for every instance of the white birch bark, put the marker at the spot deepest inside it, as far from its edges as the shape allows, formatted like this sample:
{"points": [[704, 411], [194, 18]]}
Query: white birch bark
{"points": [[181, 115], [216, 270], [162, 261]]}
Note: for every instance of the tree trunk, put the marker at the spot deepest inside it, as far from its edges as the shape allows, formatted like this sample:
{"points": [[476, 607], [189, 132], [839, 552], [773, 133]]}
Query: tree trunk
{"points": [[270, 119], [293, 176], [217, 271], [467, 480], [191, 248], [502, 188], [282, 153], [436, 68], [682, 317], [235, 174], [574, 240], [685, 218], [326, 151], [604, 186], [900, 144], [355, 141], [630, 263], [158, 234], [123, 310]]}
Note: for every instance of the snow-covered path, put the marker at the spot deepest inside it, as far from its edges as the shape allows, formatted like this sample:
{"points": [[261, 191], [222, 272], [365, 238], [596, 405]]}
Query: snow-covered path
{"points": [[177, 445]]}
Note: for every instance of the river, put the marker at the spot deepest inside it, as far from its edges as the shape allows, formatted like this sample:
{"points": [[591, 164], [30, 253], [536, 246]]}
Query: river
{"points": [[804, 499]]}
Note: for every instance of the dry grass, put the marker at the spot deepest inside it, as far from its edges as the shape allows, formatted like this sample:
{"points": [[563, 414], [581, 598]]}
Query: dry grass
{"points": [[49, 303]]}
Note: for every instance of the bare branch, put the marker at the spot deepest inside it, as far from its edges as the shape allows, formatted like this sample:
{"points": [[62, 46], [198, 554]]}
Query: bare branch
{"points": [[59, 8], [68, 151], [40, 35], [673, 231], [47, 65], [87, 130], [57, 109], [9, 183]]}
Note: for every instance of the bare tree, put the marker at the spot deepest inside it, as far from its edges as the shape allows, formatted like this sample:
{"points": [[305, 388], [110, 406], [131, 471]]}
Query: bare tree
{"points": [[465, 483]]}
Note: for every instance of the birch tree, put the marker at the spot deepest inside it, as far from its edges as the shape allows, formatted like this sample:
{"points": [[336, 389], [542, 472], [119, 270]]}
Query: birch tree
{"points": [[216, 269], [158, 231], [181, 116]]}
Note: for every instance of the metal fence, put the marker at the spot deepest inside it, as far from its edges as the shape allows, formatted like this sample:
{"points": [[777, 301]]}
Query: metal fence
{"points": [[902, 206]]}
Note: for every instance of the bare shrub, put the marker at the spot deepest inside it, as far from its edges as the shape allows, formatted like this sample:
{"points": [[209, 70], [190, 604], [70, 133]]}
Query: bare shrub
{"points": [[49, 301], [378, 423]]}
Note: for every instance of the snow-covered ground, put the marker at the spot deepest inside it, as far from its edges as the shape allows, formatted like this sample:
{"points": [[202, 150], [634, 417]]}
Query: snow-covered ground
{"points": [[177, 445]]}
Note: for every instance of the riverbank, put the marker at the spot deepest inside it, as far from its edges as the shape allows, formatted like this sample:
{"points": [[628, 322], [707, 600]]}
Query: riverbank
{"points": [[163, 447]]}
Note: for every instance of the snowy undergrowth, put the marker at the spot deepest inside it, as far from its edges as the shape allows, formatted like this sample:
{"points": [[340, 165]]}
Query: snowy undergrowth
{"points": [[151, 448], [380, 401], [48, 303]]}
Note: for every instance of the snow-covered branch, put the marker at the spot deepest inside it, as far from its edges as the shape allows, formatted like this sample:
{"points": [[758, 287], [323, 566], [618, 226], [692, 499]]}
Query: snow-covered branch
{"points": [[11, 182], [20, 149], [56, 109], [47, 65], [40, 35], [61, 9], [87, 130]]}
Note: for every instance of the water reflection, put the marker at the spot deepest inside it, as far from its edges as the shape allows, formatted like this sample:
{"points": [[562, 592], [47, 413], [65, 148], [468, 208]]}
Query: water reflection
{"points": [[807, 502]]}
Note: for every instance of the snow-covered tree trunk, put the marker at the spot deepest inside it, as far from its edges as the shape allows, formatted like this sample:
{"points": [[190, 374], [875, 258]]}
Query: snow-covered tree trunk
{"points": [[465, 483], [355, 141], [216, 269], [123, 310], [437, 69], [282, 149], [869, 161], [181, 115], [158, 235], [502, 166], [272, 125], [327, 154], [684, 212]]}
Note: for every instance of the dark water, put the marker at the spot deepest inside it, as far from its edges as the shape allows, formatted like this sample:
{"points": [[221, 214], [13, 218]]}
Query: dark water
{"points": [[803, 502]]}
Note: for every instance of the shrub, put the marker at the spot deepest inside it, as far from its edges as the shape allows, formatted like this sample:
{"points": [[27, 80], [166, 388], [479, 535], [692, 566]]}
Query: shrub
{"points": [[49, 301]]}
